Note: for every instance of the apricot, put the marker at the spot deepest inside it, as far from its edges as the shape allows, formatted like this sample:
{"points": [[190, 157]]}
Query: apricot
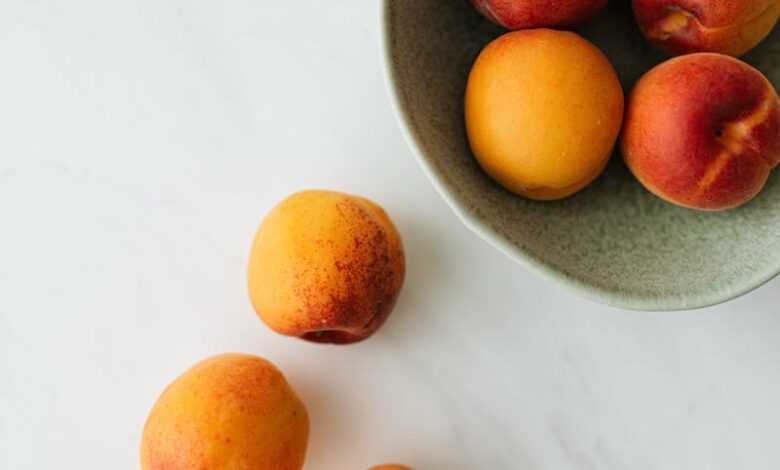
{"points": [[227, 412], [543, 112], [523, 14], [326, 267], [391, 467], [703, 131], [730, 27]]}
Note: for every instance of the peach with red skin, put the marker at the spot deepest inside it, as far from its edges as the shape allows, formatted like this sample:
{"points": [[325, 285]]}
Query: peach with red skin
{"points": [[703, 131], [730, 27], [523, 14]]}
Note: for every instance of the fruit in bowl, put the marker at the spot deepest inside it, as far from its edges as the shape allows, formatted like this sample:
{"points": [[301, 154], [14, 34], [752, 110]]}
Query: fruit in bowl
{"points": [[543, 111], [703, 131], [521, 14], [614, 241], [726, 26]]}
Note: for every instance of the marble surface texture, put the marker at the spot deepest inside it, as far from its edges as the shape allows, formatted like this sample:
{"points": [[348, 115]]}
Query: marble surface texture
{"points": [[142, 143]]}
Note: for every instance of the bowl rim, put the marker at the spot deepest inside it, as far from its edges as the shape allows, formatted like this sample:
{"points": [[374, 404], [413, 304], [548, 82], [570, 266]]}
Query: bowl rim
{"points": [[612, 297]]}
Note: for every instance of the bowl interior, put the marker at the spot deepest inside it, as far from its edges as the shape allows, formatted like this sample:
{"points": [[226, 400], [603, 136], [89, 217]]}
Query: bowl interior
{"points": [[614, 241]]}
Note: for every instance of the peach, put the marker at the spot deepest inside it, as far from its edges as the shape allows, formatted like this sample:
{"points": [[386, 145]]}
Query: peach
{"points": [[326, 267], [703, 131], [522, 14], [726, 26], [227, 412], [391, 467], [543, 111]]}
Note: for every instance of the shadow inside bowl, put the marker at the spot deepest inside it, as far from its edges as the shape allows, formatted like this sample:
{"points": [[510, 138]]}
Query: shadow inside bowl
{"points": [[613, 242]]}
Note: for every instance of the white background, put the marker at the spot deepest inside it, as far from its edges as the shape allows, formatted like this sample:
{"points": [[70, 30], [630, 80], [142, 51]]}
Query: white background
{"points": [[141, 144]]}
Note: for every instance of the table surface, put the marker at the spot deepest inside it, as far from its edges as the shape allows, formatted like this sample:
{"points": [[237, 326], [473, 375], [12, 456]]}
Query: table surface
{"points": [[142, 144]]}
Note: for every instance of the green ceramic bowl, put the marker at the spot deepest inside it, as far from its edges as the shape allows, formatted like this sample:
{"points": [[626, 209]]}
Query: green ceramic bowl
{"points": [[613, 242]]}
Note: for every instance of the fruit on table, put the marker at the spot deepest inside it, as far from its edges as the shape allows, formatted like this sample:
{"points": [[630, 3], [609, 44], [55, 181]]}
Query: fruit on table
{"points": [[391, 467], [522, 14], [326, 267], [543, 112], [726, 26], [227, 412], [703, 131]]}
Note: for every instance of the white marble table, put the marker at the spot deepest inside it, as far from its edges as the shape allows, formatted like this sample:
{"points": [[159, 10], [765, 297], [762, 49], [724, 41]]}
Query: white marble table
{"points": [[142, 141]]}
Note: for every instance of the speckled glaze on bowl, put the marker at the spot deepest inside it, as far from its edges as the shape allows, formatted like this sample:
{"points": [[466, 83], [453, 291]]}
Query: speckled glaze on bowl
{"points": [[613, 242]]}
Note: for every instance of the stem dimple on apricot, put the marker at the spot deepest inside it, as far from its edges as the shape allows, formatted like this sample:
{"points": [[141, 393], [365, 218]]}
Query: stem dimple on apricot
{"points": [[322, 336], [677, 20], [735, 135]]}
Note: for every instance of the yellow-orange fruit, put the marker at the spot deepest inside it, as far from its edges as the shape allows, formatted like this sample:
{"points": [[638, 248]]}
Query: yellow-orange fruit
{"points": [[543, 111], [326, 267], [730, 27], [228, 412]]}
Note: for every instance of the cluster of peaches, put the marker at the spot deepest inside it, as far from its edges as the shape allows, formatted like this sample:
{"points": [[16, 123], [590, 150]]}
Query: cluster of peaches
{"points": [[544, 107], [325, 267]]}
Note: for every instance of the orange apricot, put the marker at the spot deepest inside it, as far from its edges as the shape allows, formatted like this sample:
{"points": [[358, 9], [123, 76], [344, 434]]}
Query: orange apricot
{"points": [[227, 412], [326, 267], [543, 112]]}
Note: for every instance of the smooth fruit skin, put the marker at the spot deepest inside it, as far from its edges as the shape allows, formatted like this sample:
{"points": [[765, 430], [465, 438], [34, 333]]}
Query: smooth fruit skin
{"points": [[326, 267], [543, 112], [703, 131], [233, 411], [730, 27], [524, 14]]}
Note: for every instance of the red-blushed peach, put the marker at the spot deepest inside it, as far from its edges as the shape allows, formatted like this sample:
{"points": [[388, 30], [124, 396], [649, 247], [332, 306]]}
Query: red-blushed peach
{"points": [[326, 267], [233, 411], [730, 27], [703, 131], [524, 14], [543, 112]]}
